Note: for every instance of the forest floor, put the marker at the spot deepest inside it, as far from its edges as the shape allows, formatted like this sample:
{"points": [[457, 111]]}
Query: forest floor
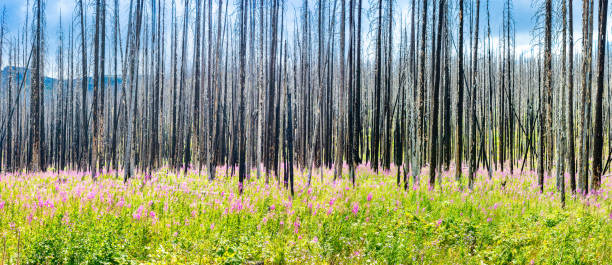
{"points": [[66, 218]]}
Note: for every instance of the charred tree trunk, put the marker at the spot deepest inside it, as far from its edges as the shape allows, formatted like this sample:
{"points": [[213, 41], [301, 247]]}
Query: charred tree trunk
{"points": [[544, 104], [433, 143], [571, 157], [598, 133], [36, 145], [460, 83], [474, 85]]}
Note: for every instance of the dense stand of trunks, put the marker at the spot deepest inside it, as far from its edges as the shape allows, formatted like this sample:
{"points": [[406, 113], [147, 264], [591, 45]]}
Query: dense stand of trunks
{"points": [[261, 88]]}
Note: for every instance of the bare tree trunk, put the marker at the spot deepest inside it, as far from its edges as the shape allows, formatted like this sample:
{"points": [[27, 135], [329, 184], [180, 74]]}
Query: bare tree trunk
{"points": [[421, 93], [36, 145], [173, 158], [242, 171], [341, 104], [134, 39], [433, 143], [571, 160], [388, 68], [460, 83], [583, 182], [474, 85], [562, 149], [115, 83], [598, 134], [544, 104], [84, 137], [377, 88]]}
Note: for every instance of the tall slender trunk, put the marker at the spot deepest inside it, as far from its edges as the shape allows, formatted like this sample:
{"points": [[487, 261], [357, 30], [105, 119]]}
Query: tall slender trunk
{"points": [[598, 133], [83, 136], [242, 134], [377, 88], [562, 130], [571, 157], [583, 182], [36, 145], [341, 104], [421, 93], [433, 143], [544, 103], [474, 86], [460, 83]]}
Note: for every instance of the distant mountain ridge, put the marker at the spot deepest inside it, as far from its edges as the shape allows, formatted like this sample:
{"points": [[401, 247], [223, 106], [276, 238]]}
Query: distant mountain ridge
{"points": [[49, 82]]}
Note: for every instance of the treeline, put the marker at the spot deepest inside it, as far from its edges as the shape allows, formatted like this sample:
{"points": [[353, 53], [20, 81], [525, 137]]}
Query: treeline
{"points": [[257, 85]]}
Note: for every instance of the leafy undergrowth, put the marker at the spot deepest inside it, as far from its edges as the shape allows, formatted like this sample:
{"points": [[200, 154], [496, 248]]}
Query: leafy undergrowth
{"points": [[66, 218]]}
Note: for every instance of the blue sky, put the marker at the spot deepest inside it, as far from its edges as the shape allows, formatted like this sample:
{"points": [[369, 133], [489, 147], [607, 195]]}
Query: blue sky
{"points": [[523, 13]]}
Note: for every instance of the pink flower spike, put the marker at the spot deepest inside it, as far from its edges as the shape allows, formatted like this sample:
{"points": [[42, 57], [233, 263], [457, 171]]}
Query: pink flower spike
{"points": [[355, 208]]}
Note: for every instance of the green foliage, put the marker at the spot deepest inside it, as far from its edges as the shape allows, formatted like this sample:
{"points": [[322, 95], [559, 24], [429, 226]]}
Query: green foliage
{"points": [[188, 220]]}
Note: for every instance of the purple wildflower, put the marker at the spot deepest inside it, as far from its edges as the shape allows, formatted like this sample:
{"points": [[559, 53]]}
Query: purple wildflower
{"points": [[138, 213]]}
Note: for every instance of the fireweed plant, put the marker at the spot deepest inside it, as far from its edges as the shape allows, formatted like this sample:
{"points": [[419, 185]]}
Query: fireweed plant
{"points": [[65, 217]]}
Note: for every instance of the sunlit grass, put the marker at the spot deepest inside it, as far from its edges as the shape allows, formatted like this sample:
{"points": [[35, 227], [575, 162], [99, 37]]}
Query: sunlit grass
{"points": [[66, 218]]}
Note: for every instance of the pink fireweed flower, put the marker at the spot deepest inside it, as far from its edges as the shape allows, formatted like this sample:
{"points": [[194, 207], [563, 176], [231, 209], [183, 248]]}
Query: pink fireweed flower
{"points": [[370, 196], [212, 226], [489, 220], [439, 222], [138, 213], [91, 195], [152, 214], [49, 203], [355, 208], [237, 206], [66, 220]]}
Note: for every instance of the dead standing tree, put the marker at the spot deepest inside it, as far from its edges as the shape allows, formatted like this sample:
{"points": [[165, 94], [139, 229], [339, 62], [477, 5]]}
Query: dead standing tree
{"points": [[435, 95]]}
